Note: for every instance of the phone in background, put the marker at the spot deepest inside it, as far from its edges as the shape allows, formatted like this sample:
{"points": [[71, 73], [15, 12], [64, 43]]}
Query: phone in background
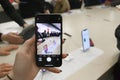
{"points": [[48, 32], [85, 39], [28, 32]]}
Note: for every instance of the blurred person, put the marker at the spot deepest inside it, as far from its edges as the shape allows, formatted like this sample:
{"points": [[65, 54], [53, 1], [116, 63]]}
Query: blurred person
{"points": [[61, 6], [12, 13]]}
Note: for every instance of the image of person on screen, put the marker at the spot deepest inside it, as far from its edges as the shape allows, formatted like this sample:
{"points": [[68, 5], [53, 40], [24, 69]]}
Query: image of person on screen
{"points": [[45, 48]]}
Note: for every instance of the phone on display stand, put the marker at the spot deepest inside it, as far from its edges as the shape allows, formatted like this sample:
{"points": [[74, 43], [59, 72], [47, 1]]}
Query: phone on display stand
{"points": [[85, 40], [48, 45]]}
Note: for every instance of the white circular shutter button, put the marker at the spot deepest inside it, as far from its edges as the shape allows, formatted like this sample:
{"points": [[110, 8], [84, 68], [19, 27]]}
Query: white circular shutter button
{"points": [[49, 59]]}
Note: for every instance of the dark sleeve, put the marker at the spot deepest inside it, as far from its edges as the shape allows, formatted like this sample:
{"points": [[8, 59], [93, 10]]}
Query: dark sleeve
{"points": [[115, 2], [117, 32], [28, 8], [117, 35], [11, 12], [0, 37]]}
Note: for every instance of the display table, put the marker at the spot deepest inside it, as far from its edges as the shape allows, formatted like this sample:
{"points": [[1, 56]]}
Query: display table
{"points": [[72, 64]]}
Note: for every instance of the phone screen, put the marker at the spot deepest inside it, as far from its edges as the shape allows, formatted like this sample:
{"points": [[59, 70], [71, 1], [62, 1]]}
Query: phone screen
{"points": [[85, 39], [48, 40]]}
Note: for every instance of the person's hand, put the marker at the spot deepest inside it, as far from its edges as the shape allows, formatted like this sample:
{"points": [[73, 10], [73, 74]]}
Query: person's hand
{"points": [[12, 38], [5, 69], [25, 67], [6, 49], [107, 3]]}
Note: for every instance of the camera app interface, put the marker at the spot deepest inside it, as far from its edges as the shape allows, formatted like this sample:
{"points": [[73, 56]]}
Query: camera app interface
{"points": [[48, 38]]}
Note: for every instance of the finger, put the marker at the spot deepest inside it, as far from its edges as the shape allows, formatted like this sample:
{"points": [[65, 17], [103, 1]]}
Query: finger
{"points": [[7, 65], [2, 74], [18, 40], [63, 41], [54, 70], [6, 69], [4, 53], [64, 55], [16, 35], [11, 47]]}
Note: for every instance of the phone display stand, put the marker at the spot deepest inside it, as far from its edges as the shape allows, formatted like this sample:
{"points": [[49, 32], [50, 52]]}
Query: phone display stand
{"points": [[78, 58], [68, 58], [82, 50]]}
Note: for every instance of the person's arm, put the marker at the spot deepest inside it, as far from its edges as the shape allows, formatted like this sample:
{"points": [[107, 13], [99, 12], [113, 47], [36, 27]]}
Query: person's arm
{"points": [[12, 13]]}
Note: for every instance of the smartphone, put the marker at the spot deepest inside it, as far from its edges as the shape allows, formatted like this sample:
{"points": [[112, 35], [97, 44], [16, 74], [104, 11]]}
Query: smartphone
{"points": [[48, 33], [85, 40]]}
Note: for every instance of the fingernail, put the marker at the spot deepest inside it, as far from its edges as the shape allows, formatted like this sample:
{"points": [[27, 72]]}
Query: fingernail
{"points": [[64, 38], [60, 70], [67, 54]]}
